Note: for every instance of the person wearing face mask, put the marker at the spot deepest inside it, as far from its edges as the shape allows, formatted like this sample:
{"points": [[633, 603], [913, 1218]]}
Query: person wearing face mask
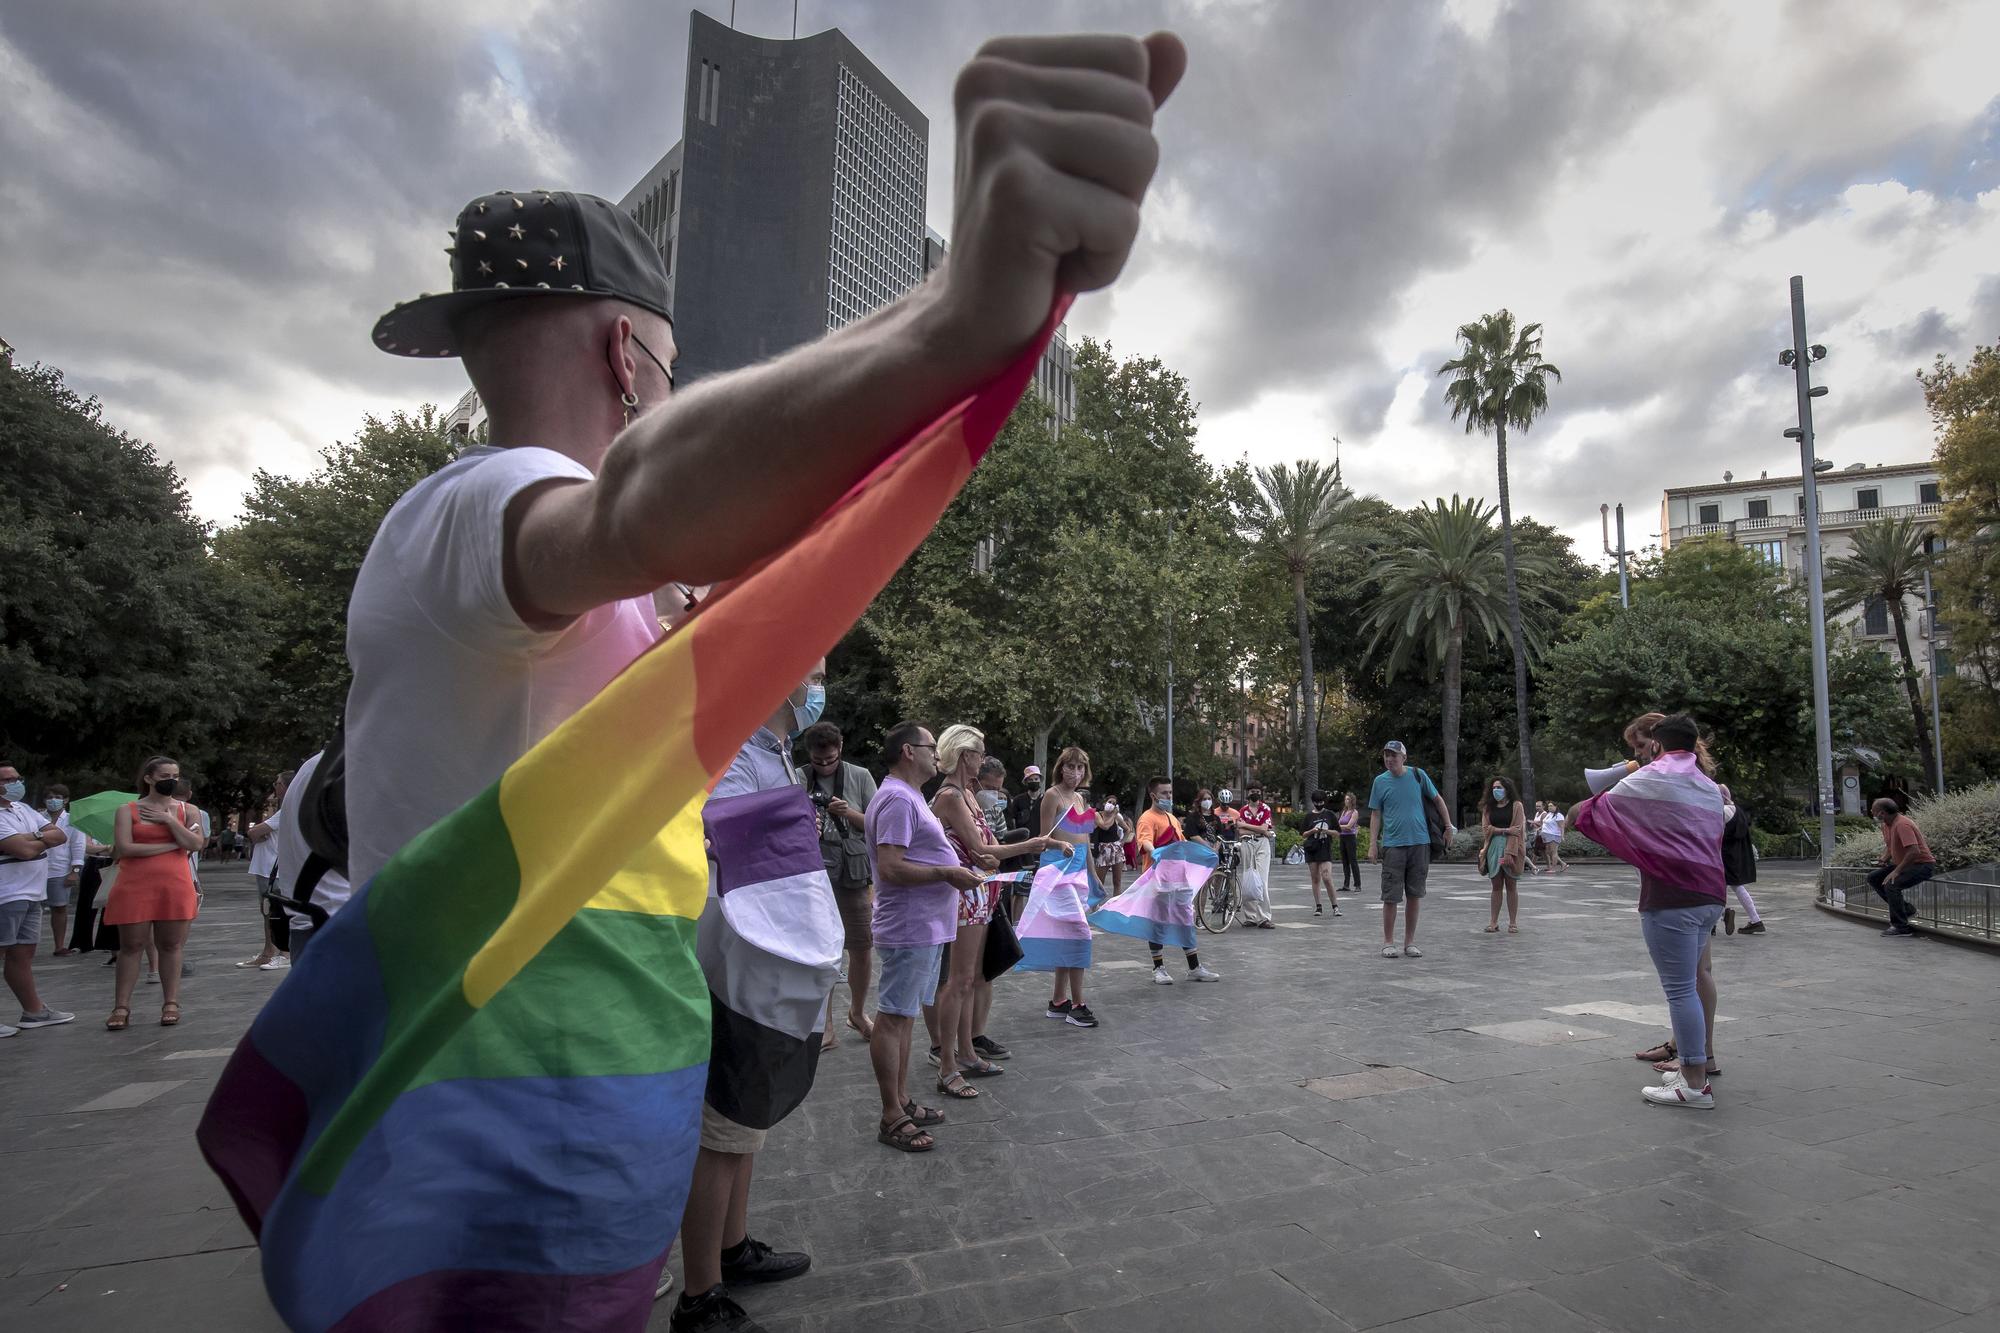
{"points": [[1254, 822], [842, 791], [1503, 829], [27, 838], [65, 865], [716, 1245], [1024, 811], [153, 899], [1159, 828]]}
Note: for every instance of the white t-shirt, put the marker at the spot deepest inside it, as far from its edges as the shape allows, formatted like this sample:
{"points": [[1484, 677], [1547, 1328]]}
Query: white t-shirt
{"points": [[22, 879], [1552, 826], [289, 850], [450, 687], [63, 859], [264, 855]]}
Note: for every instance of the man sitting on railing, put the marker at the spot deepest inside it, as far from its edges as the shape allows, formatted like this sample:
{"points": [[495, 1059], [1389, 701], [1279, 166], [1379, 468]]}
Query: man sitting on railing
{"points": [[1906, 863]]}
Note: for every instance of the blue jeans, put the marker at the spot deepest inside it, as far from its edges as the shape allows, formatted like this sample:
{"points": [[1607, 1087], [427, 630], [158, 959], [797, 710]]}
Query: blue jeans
{"points": [[1675, 937]]}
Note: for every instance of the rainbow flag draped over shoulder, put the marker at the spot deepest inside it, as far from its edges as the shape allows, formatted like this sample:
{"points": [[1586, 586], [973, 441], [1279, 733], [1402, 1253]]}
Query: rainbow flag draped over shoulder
{"points": [[1665, 818], [1159, 907], [474, 1102]]}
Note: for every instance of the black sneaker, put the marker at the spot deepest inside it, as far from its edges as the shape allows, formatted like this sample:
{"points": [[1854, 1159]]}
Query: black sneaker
{"points": [[1754, 928], [758, 1262], [1080, 1016], [1060, 1010], [989, 1048], [1316, 911], [711, 1312]]}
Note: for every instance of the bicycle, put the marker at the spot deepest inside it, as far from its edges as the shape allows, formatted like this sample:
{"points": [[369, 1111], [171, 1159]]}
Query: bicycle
{"points": [[1220, 902]]}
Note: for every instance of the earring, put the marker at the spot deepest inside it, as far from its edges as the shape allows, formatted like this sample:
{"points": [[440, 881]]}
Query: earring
{"points": [[630, 401]]}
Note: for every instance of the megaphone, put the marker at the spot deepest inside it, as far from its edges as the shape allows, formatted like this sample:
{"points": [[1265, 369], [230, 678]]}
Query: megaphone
{"points": [[1602, 780]]}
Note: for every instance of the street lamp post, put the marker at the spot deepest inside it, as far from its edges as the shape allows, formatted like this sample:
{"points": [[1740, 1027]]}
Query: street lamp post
{"points": [[1624, 589], [1799, 358], [1937, 731]]}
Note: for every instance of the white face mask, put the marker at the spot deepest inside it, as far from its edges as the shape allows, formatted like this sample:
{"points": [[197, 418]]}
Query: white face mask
{"points": [[1206, 805]]}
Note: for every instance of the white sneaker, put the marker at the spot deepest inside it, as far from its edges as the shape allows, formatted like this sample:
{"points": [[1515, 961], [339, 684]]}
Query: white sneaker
{"points": [[1391, 951], [666, 1286], [1161, 977], [1203, 973], [7, 1031], [48, 1018], [278, 964], [1412, 951], [1678, 1093]]}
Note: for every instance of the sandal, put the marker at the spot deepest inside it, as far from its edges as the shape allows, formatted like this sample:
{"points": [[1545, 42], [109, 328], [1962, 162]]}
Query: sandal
{"points": [[979, 1069], [905, 1136], [120, 1017], [1513, 930], [1493, 930], [923, 1116], [1666, 1050], [828, 1042], [866, 1027], [168, 1020], [963, 1091]]}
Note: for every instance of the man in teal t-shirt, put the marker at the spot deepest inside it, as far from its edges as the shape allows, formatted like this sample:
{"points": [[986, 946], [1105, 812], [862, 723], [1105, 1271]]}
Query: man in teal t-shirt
{"points": [[1399, 837]]}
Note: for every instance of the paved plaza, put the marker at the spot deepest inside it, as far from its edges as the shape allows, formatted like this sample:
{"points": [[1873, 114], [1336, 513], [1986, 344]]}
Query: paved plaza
{"points": [[1326, 1140]]}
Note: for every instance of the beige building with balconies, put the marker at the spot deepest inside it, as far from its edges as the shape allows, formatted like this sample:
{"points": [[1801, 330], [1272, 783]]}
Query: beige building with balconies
{"points": [[1768, 516]]}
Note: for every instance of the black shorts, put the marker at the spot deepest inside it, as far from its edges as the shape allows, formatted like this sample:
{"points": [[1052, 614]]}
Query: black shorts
{"points": [[1319, 856]]}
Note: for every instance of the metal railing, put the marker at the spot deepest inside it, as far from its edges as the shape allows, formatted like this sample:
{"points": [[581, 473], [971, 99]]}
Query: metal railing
{"points": [[1783, 523], [1964, 903]]}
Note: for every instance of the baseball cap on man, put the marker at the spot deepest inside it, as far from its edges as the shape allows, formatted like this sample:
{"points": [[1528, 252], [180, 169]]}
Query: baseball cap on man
{"points": [[1394, 747], [536, 243]]}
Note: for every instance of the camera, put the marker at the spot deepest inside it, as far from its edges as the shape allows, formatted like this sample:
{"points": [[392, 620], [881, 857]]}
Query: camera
{"points": [[820, 799]]}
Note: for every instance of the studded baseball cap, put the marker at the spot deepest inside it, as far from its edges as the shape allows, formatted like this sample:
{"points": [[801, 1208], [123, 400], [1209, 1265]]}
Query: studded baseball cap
{"points": [[532, 243]]}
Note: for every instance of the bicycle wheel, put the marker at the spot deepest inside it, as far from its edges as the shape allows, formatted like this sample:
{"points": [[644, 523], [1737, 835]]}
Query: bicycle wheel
{"points": [[1217, 906]]}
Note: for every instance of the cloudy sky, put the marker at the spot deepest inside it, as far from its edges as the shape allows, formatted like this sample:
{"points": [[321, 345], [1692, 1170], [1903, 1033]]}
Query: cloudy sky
{"points": [[209, 202]]}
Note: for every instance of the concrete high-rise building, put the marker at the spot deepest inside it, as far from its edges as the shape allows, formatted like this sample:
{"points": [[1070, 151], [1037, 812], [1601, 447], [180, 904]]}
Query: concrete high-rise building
{"points": [[794, 202]]}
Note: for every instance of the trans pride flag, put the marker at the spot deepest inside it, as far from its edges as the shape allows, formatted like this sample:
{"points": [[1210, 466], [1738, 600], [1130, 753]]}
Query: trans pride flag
{"points": [[1159, 907], [474, 1102], [1054, 929], [1665, 818]]}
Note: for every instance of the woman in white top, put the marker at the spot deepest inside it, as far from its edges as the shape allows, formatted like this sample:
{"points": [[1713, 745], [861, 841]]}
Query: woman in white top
{"points": [[1552, 836], [275, 956]]}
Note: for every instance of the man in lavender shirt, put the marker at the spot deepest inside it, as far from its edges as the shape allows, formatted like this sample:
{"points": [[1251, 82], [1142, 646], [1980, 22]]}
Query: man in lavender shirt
{"points": [[917, 879]]}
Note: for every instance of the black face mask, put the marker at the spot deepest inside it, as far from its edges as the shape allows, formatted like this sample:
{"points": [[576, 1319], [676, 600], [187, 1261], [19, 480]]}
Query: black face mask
{"points": [[167, 786]]}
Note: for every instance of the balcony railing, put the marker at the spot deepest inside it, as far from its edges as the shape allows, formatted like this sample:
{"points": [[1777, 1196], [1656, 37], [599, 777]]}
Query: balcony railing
{"points": [[1963, 903], [1779, 525]]}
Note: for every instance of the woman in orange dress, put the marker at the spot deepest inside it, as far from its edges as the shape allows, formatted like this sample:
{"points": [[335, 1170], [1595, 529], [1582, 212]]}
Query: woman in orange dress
{"points": [[153, 899]]}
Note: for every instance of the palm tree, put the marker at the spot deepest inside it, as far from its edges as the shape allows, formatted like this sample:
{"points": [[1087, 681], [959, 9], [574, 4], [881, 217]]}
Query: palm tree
{"points": [[1298, 514], [1446, 574], [1500, 380], [1888, 561]]}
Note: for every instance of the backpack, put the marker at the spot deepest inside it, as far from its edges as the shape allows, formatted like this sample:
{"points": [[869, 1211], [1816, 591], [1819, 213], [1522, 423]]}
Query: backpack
{"points": [[323, 824]]}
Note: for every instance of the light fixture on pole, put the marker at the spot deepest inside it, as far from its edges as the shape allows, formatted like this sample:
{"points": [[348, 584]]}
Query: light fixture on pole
{"points": [[1798, 358]]}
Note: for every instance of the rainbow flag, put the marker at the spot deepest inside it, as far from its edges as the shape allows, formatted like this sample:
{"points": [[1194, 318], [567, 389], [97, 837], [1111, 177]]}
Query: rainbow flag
{"points": [[474, 1102], [1159, 907], [1665, 818], [1054, 929]]}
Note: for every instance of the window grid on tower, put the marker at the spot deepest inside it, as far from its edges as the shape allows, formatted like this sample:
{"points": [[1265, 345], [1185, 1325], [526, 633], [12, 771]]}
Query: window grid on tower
{"points": [[876, 250]]}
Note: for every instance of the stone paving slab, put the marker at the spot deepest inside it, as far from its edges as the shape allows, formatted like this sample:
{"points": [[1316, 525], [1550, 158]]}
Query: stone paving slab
{"points": [[1326, 1140]]}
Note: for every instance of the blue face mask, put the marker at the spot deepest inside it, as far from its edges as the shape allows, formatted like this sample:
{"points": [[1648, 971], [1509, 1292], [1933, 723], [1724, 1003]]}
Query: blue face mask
{"points": [[14, 790], [804, 715], [1164, 803], [1499, 793]]}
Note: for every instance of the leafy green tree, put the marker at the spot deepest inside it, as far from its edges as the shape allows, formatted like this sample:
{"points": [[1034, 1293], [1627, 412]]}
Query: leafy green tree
{"points": [[1446, 575], [1296, 519], [1045, 604], [119, 637], [299, 545], [1888, 562], [1499, 379], [1965, 415]]}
